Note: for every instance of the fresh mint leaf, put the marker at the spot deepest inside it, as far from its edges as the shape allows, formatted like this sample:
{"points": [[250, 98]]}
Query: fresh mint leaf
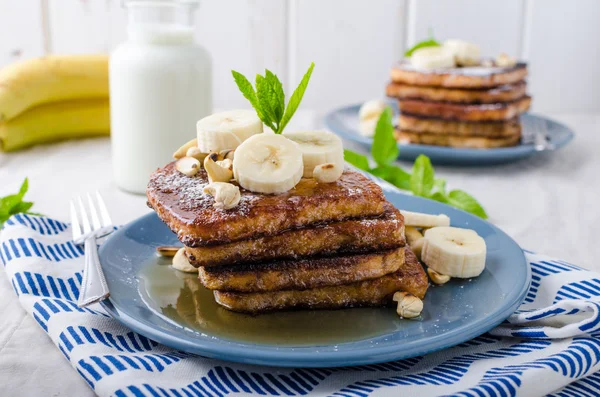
{"points": [[296, 98], [439, 184], [14, 204], [21, 207], [24, 188], [438, 196], [394, 175], [384, 149], [431, 42], [278, 96], [421, 181], [463, 200], [265, 99], [358, 160], [247, 90]]}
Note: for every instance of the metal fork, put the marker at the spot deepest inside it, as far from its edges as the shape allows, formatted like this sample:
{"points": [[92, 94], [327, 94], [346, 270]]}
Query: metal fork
{"points": [[93, 286], [535, 133]]}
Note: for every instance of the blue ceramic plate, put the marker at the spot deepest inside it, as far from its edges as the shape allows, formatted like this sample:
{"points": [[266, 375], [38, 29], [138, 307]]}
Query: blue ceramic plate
{"points": [[154, 304], [344, 122]]}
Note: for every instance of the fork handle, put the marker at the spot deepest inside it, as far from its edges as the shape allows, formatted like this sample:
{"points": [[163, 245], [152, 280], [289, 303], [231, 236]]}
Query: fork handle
{"points": [[93, 286]]}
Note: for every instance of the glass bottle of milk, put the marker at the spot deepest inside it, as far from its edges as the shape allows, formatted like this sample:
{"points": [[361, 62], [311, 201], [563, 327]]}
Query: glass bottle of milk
{"points": [[160, 86]]}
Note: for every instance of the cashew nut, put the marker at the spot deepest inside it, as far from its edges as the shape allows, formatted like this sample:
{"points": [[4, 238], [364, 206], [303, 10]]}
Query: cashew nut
{"points": [[226, 195], [181, 152], [505, 61], [218, 171], [188, 166], [196, 153], [181, 263], [415, 240], [409, 306], [226, 154], [328, 172], [167, 251], [437, 278]]}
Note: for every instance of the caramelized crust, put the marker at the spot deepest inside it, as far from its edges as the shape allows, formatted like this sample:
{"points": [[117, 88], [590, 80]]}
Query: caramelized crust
{"points": [[457, 141], [468, 77], [410, 278], [490, 129], [504, 93], [455, 111], [302, 274], [180, 203], [354, 235]]}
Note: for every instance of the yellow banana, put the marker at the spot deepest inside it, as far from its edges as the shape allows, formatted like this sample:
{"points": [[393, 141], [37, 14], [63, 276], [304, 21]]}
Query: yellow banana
{"points": [[56, 121], [53, 78]]}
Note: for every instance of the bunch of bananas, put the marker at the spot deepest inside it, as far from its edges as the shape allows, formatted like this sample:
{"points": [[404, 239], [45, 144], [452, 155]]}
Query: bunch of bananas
{"points": [[53, 98]]}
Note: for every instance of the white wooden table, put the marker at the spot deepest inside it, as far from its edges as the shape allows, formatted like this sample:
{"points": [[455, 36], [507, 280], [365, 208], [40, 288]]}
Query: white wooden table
{"points": [[549, 204]]}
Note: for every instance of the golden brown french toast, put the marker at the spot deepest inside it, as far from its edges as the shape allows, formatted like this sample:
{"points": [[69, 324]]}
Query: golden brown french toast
{"points": [[180, 202], [503, 93], [301, 274], [490, 129], [410, 278], [353, 235], [457, 141], [469, 112], [465, 77]]}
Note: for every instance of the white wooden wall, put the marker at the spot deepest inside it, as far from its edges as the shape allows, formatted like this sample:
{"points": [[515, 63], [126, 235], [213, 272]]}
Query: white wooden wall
{"points": [[352, 42]]}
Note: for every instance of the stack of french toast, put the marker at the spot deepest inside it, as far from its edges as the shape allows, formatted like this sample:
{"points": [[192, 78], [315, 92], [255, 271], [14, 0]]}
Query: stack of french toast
{"points": [[281, 234], [449, 96]]}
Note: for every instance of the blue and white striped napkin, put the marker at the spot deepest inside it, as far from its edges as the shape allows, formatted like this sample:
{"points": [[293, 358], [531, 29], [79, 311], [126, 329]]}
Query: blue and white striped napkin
{"points": [[550, 346]]}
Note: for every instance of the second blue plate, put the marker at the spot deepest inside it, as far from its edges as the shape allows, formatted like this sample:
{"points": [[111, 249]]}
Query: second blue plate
{"points": [[344, 122]]}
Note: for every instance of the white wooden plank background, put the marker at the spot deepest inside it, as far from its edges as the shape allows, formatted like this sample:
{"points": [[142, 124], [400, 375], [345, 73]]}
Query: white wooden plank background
{"points": [[21, 30], [353, 42], [563, 51], [495, 25]]}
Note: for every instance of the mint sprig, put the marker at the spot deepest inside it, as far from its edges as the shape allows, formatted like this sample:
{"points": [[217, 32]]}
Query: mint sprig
{"points": [[269, 99], [430, 42], [14, 204], [421, 182]]}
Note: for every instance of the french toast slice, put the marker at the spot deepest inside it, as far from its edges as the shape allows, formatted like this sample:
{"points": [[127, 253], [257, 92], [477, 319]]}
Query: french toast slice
{"points": [[301, 274], [348, 236], [465, 77], [503, 93], [410, 278], [457, 141], [490, 129], [465, 112], [180, 202]]}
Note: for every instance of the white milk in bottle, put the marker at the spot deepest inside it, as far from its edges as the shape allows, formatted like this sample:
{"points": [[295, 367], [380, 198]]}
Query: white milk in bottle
{"points": [[160, 86]]}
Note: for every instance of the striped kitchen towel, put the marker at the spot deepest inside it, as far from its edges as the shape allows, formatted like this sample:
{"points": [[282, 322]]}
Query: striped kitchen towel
{"points": [[550, 346]]}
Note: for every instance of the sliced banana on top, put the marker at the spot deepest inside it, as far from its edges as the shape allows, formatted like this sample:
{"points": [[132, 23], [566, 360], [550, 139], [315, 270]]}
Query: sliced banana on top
{"points": [[465, 53], [418, 219], [227, 130], [454, 251], [433, 58], [318, 147], [268, 163]]}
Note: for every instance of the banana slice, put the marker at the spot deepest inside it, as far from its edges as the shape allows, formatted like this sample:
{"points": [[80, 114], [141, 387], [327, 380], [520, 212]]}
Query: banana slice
{"points": [[454, 251], [415, 240], [465, 53], [418, 219], [318, 147], [227, 130], [368, 115], [181, 263], [433, 58], [268, 163]]}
